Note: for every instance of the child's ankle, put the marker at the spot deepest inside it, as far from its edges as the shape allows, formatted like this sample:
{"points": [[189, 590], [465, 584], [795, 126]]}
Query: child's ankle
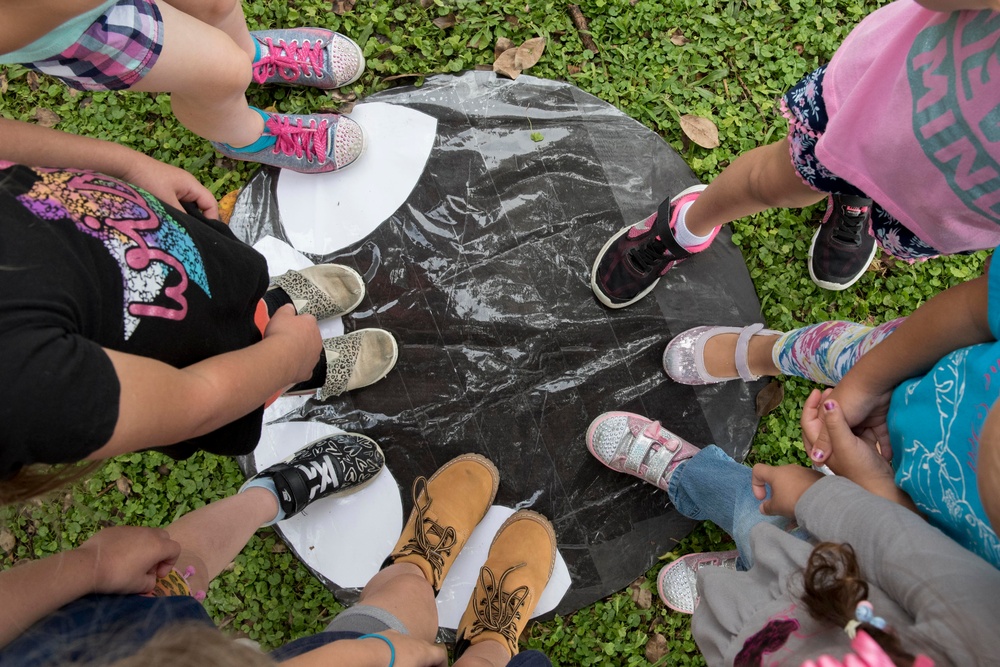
{"points": [[688, 239]]}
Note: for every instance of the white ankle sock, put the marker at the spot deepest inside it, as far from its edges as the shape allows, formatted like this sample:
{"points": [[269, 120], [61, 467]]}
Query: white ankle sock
{"points": [[683, 234], [265, 482]]}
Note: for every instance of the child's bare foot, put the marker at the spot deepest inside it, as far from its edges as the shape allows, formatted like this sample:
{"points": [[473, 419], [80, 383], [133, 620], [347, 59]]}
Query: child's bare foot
{"points": [[720, 356]]}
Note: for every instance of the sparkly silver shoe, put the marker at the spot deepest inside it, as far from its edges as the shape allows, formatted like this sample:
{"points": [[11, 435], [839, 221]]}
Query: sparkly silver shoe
{"points": [[678, 582], [632, 444], [684, 358]]}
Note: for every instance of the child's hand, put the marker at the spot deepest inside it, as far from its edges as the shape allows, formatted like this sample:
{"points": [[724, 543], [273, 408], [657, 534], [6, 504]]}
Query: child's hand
{"points": [[864, 414], [787, 484], [171, 185], [128, 559], [301, 334]]}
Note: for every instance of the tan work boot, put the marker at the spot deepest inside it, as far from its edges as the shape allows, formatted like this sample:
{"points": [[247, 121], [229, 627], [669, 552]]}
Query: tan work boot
{"points": [[446, 509], [517, 569]]}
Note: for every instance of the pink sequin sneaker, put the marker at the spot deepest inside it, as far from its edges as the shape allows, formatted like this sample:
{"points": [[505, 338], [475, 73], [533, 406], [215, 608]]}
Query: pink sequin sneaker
{"points": [[632, 444], [678, 581], [311, 144], [630, 264], [306, 57]]}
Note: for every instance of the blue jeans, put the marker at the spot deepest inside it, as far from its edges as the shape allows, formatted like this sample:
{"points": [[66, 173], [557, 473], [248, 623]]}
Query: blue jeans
{"points": [[712, 486]]}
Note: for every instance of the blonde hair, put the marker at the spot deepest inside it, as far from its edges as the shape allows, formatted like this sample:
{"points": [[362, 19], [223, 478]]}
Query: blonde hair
{"points": [[184, 644], [38, 480]]}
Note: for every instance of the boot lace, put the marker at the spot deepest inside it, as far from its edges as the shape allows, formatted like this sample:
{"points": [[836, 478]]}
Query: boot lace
{"points": [[289, 60], [295, 139], [498, 611], [425, 528]]}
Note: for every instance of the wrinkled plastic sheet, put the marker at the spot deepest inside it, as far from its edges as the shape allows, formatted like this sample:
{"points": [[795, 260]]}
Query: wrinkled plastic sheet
{"points": [[483, 276]]}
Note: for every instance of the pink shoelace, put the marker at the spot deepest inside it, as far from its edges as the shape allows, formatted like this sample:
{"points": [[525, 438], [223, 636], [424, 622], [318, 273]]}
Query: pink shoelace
{"points": [[297, 139], [289, 60]]}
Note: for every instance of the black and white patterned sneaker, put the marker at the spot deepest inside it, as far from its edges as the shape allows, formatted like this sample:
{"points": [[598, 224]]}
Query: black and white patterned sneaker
{"points": [[842, 248], [333, 466]]}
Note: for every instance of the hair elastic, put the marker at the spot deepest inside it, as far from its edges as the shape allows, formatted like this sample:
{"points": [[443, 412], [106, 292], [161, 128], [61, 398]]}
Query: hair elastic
{"points": [[864, 613], [392, 649]]}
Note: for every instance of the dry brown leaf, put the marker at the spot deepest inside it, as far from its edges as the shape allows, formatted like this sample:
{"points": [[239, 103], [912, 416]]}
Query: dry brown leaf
{"points": [[700, 130], [7, 541], [678, 38], [483, 68], [3, 83], [643, 598], [529, 53], [445, 21], [227, 204], [124, 485], [341, 7], [409, 75], [32, 80], [513, 20], [573, 69], [505, 64], [503, 44], [426, 3], [279, 548], [45, 117], [770, 397], [656, 648]]}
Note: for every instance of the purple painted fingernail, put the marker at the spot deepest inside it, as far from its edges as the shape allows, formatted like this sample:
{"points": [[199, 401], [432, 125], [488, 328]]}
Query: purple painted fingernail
{"points": [[829, 405], [818, 454]]}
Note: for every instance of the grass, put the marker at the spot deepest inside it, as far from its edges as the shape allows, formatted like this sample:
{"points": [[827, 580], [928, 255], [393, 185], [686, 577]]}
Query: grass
{"points": [[736, 59]]}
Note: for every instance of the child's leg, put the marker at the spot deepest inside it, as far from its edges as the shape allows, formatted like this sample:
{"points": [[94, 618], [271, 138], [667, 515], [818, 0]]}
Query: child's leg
{"points": [[226, 15], [211, 536], [209, 101], [758, 180], [712, 486], [403, 591], [824, 352]]}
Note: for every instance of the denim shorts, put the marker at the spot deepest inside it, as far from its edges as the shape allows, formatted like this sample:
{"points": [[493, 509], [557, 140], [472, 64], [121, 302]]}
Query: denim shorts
{"points": [[803, 106], [115, 52]]}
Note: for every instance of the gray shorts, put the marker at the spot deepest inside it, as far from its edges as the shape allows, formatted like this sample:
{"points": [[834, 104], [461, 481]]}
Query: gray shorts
{"points": [[366, 619]]}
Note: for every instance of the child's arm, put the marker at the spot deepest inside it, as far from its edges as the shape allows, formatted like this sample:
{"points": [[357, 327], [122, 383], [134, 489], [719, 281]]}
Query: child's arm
{"points": [[28, 144], [955, 318], [952, 595], [162, 405], [115, 560]]}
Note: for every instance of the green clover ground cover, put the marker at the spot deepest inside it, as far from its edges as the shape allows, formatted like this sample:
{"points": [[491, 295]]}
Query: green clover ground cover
{"points": [[729, 61]]}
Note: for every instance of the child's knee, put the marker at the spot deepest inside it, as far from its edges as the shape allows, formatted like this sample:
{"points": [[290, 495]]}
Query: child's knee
{"points": [[212, 12]]}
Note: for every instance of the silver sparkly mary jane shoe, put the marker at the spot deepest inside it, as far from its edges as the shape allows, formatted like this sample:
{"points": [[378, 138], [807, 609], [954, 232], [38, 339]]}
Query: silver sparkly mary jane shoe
{"points": [[684, 358]]}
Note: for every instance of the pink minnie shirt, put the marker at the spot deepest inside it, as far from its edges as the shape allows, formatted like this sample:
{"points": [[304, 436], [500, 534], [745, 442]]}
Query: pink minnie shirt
{"points": [[913, 98]]}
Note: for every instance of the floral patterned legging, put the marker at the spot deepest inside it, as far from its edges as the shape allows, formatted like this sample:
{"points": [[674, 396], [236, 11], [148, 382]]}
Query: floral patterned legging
{"points": [[824, 352]]}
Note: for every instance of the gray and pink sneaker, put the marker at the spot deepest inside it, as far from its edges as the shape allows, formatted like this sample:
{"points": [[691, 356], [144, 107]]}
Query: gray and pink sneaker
{"points": [[311, 143], [632, 444], [630, 264], [677, 582], [306, 57]]}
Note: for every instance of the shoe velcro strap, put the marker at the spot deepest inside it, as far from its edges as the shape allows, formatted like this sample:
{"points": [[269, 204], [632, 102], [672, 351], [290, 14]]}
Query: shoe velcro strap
{"points": [[666, 234], [292, 487], [743, 352]]}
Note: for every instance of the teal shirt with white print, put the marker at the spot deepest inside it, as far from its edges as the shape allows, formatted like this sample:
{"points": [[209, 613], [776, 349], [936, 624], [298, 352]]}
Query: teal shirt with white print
{"points": [[935, 422]]}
